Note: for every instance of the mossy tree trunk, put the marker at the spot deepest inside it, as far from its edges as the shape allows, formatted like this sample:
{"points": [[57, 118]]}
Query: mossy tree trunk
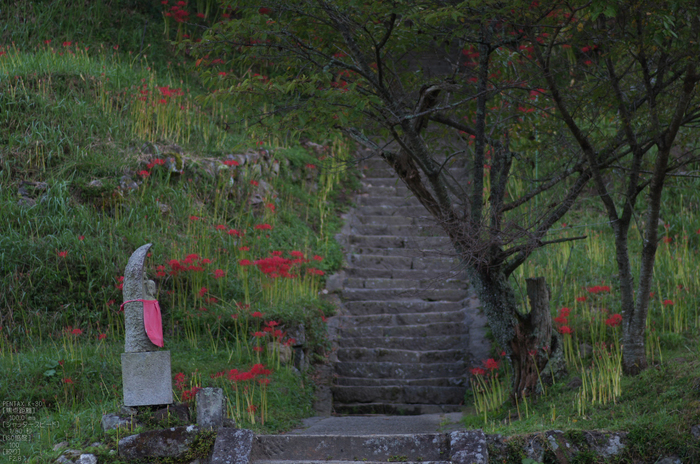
{"points": [[527, 338]]}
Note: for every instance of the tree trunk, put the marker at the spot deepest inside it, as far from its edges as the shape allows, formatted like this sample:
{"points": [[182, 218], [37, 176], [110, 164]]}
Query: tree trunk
{"points": [[528, 339]]}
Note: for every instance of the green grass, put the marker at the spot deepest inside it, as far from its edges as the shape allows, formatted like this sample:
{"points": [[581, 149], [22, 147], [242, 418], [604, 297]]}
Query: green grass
{"points": [[75, 140]]}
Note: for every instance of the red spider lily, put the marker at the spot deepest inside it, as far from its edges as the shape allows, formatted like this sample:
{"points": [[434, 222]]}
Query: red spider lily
{"points": [[194, 218], [68, 381], [258, 334], [67, 44], [310, 166], [532, 353], [120, 283], [264, 382], [254, 183], [190, 394], [144, 174], [318, 258], [314, 271], [201, 15], [232, 163], [668, 239], [217, 375], [244, 262], [565, 329], [244, 248], [258, 349], [580, 299], [234, 232], [668, 303], [202, 292], [160, 271], [47, 41], [491, 364], [102, 336], [563, 320], [477, 371], [276, 253], [270, 206], [81, 237], [62, 254], [263, 227], [218, 273], [211, 299], [256, 314], [264, 11], [297, 254], [221, 227], [564, 312], [205, 261], [76, 332], [598, 289], [159, 161], [614, 320]]}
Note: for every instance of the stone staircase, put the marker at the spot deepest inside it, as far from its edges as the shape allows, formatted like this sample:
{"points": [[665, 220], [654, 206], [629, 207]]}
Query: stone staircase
{"points": [[403, 343]]}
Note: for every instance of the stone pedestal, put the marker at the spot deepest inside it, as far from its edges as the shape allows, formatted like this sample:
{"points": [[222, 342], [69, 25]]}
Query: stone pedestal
{"points": [[211, 408], [146, 378]]}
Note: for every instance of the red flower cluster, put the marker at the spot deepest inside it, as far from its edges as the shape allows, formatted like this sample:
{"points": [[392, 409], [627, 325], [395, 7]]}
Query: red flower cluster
{"points": [[276, 266], [562, 321], [192, 262], [598, 289], [614, 320], [177, 12], [263, 227], [258, 370]]}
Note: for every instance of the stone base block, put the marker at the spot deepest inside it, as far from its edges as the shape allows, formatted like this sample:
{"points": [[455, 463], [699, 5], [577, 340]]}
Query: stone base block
{"points": [[146, 378]]}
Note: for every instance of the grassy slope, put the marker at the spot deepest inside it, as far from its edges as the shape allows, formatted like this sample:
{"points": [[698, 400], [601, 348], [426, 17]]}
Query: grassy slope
{"points": [[74, 138]]}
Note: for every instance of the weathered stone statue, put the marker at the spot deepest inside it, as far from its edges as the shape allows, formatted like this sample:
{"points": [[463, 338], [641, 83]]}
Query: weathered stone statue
{"points": [[146, 372]]}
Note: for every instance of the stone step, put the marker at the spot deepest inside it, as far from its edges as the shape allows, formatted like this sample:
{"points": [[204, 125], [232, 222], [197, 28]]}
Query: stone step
{"points": [[393, 241], [399, 356], [399, 394], [429, 294], [384, 370], [370, 448], [417, 274], [394, 408], [394, 201], [391, 181], [413, 252], [402, 262], [414, 306], [436, 342], [436, 382], [400, 319], [412, 231], [387, 210], [419, 330], [333, 461], [395, 220], [386, 191], [428, 284]]}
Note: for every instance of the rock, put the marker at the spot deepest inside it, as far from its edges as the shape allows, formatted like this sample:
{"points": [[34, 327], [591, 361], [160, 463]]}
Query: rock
{"points": [[179, 412], [95, 183], [127, 183], [114, 421], [229, 423], [173, 442], [695, 431], [670, 460], [574, 383], [128, 411], [251, 157], [336, 282], [298, 333], [164, 209], [26, 201], [469, 447], [87, 459], [606, 444], [68, 457], [211, 408], [59, 446], [232, 446], [285, 352]]}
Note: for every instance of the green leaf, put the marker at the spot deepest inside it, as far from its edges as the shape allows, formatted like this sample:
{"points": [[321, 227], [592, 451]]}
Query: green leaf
{"points": [[49, 373]]}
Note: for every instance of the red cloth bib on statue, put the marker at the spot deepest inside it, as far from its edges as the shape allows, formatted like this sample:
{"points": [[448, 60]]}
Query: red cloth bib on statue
{"points": [[152, 320]]}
